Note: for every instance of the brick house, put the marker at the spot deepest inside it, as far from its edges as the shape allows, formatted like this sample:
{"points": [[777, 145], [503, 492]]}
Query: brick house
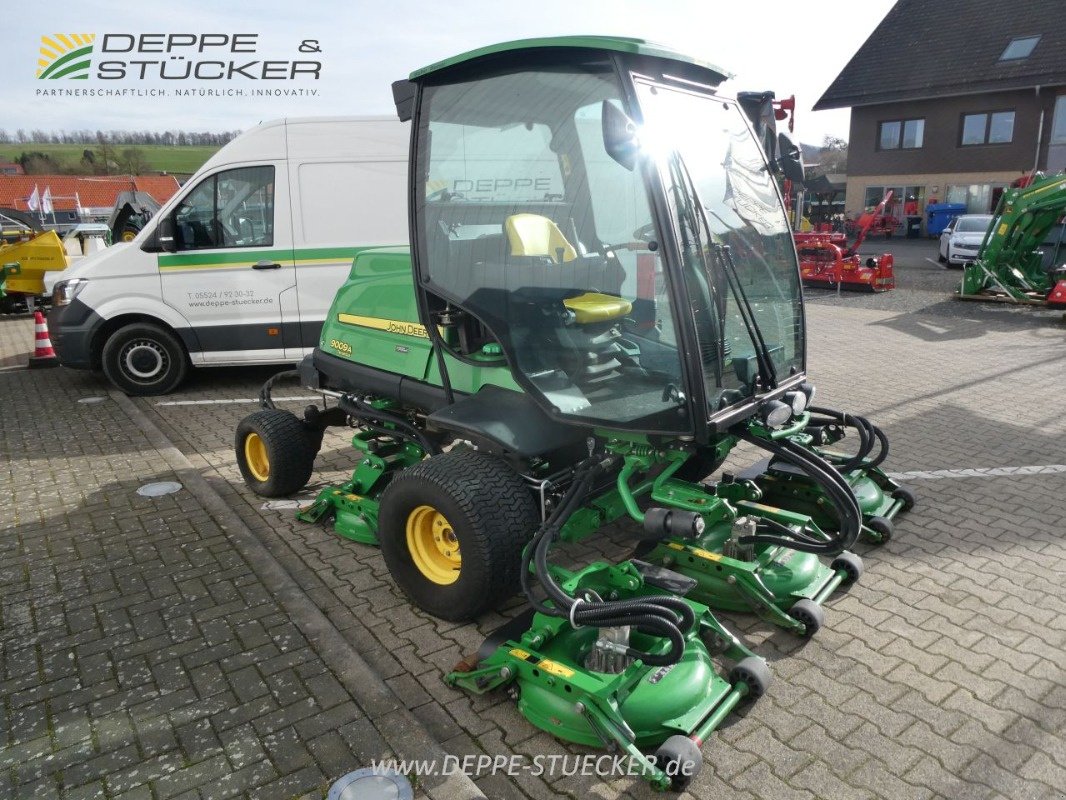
{"points": [[952, 100]]}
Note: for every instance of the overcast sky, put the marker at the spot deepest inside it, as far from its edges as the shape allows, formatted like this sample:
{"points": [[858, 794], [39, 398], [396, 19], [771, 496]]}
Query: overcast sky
{"points": [[767, 44]]}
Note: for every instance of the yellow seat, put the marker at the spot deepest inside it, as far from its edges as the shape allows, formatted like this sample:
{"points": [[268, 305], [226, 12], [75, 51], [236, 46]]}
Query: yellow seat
{"points": [[596, 307], [536, 235]]}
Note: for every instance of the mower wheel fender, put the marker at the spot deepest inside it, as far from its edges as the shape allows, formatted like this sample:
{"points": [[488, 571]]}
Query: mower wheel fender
{"points": [[276, 452], [882, 527], [907, 495], [755, 673], [680, 758], [850, 564], [452, 529], [810, 614]]}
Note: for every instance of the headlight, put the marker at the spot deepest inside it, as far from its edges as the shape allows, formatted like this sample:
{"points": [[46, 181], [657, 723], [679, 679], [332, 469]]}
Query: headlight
{"points": [[798, 401], [65, 291], [775, 414]]}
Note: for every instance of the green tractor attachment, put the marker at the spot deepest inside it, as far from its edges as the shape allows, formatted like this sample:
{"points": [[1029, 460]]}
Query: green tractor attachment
{"points": [[1021, 257], [600, 300]]}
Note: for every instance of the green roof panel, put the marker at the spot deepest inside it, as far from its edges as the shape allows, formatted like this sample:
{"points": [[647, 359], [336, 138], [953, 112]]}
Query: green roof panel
{"points": [[618, 44]]}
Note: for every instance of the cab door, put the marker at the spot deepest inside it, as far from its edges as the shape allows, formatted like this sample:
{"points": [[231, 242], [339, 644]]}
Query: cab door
{"points": [[232, 274]]}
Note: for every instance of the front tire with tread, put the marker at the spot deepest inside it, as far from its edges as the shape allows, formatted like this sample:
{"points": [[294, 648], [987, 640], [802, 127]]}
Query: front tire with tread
{"points": [[492, 515], [143, 359]]}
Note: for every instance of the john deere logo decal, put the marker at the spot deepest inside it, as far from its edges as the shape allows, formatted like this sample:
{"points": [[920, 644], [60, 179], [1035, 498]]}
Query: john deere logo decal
{"points": [[65, 55]]}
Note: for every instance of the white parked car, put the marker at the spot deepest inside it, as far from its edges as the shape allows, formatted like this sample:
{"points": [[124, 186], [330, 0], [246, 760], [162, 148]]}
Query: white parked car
{"points": [[962, 238]]}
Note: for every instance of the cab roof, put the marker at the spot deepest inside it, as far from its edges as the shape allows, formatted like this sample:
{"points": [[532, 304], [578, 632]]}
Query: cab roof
{"points": [[617, 44]]}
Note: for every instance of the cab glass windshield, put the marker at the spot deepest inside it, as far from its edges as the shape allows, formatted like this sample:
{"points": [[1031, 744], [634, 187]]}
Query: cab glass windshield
{"points": [[736, 243]]}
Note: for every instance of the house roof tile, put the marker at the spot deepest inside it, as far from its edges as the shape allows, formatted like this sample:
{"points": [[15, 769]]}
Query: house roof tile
{"points": [[940, 48], [94, 191]]}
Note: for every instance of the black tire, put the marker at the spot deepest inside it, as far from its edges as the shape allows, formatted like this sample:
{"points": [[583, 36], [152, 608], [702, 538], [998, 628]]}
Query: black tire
{"points": [[488, 514], [907, 495], [755, 673], [940, 258], [680, 759], [810, 614], [699, 466], [882, 527], [851, 564], [144, 359], [287, 450]]}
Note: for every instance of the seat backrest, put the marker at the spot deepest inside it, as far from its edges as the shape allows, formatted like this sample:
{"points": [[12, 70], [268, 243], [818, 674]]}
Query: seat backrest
{"points": [[536, 235]]}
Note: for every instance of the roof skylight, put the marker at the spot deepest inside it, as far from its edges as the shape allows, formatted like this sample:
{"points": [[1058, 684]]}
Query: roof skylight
{"points": [[1019, 48]]}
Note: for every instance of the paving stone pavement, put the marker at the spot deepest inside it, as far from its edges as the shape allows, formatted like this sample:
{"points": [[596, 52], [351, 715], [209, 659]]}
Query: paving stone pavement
{"points": [[939, 675], [143, 654]]}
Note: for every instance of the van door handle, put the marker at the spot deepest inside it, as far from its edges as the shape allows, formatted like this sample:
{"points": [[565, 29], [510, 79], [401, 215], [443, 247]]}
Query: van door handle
{"points": [[266, 265]]}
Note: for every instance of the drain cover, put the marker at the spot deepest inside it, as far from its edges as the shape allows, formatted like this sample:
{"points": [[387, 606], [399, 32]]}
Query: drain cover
{"points": [[159, 489], [370, 784]]}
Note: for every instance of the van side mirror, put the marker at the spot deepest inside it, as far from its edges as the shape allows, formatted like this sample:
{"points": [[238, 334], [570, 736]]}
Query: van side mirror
{"points": [[164, 233], [789, 159], [161, 239]]}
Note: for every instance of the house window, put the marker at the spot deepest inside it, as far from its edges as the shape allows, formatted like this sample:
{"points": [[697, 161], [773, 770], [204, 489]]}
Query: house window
{"points": [[996, 127], [1019, 48], [901, 133]]}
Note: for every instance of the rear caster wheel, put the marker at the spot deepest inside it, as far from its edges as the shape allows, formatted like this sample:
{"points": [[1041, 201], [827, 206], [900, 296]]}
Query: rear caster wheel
{"points": [[851, 564], [680, 759], [907, 495], [810, 614], [755, 673], [276, 452], [881, 526]]}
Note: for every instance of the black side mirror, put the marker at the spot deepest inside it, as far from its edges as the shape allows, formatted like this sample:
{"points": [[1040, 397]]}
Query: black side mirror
{"points": [[620, 136], [164, 234], [789, 158]]}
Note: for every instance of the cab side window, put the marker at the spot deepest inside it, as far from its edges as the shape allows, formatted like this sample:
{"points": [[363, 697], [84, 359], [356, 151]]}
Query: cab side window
{"points": [[233, 208]]}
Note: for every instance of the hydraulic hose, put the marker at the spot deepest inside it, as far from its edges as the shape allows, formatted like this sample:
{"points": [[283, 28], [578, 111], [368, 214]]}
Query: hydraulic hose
{"points": [[832, 482], [378, 420], [850, 421], [869, 436], [265, 400], [666, 616]]}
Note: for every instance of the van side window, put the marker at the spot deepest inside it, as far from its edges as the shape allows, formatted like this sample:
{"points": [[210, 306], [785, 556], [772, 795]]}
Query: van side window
{"points": [[234, 208]]}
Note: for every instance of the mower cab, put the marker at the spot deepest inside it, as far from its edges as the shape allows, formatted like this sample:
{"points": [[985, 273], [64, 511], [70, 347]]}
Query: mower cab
{"points": [[594, 215]]}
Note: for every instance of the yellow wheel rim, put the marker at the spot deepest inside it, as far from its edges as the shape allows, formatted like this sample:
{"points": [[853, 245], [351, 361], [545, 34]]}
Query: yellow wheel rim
{"points": [[432, 544], [129, 236], [255, 456]]}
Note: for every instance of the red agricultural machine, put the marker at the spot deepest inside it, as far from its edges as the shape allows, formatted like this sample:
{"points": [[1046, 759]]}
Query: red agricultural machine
{"points": [[828, 261]]}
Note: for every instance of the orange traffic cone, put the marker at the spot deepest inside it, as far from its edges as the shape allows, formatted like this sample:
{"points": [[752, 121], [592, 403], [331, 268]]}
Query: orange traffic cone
{"points": [[43, 354]]}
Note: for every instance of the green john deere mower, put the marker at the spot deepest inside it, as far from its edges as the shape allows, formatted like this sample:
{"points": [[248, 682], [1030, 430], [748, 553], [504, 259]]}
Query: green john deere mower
{"points": [[600, 300]]}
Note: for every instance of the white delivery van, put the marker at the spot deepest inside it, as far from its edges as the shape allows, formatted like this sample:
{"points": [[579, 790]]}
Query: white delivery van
{"points": [[241, 265]]}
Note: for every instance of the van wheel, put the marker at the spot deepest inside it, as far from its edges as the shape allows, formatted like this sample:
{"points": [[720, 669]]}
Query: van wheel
{"points": [[276, 452], [452, 529], [144, 359]]}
